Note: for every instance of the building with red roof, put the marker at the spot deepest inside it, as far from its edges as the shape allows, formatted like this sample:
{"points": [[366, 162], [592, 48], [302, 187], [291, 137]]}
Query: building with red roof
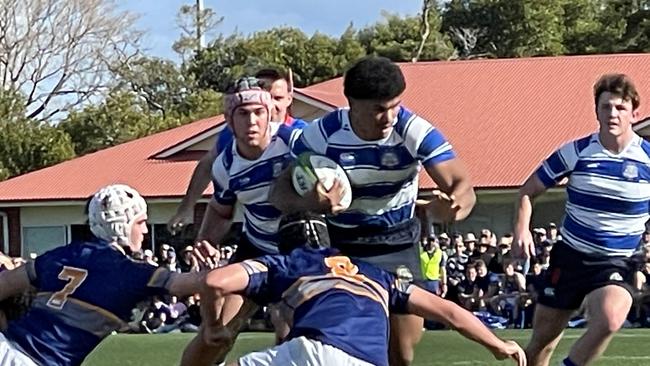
{"points": [[503, 117]]}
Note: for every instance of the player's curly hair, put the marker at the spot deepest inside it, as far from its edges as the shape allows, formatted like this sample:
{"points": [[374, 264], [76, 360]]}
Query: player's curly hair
{"points": [[374, 78]]}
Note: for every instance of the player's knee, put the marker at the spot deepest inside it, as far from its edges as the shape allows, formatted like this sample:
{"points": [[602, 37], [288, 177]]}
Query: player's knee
{"points": [[609, 324]]}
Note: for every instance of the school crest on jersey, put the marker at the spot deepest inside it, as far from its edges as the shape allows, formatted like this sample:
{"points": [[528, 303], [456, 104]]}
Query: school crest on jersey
{"points": [[389, 159], [347, 159], [277, 169], [630, 170]]}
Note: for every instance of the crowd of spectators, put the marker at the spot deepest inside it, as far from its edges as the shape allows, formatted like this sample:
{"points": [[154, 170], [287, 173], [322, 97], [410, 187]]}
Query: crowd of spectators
{"points": [[477, 272], [171, 314], [480, 274]]}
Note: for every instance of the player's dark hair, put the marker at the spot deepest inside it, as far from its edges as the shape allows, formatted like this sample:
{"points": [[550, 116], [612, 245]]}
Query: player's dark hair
{"points": [[302, 229], [374, 78], [617, 84], [271, 74]]}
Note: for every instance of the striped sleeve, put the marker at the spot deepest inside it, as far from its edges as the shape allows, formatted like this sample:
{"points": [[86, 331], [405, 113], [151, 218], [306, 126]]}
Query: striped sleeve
{"points": [[425, 142], [220, 182], [309, 140], [560, 164]]}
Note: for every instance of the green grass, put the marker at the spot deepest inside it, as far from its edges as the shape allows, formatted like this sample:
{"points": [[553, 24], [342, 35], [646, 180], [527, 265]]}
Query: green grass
{"points": [[629, 348]]}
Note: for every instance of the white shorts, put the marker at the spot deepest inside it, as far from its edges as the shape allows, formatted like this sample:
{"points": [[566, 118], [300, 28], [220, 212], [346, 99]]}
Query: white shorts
{"points": [[301, 351], [11, 355]]}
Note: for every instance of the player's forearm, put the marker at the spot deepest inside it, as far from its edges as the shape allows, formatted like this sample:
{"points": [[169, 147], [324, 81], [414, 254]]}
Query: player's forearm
{"points": [[532, 188], [285, 198], [14, 282], [214, 226], [198, 183], [185, 284], [524, 212], [461, 320]]}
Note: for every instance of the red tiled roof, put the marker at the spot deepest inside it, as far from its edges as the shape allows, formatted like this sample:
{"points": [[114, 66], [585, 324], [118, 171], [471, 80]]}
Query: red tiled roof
{"points": [[128, 163], [504, 116]]}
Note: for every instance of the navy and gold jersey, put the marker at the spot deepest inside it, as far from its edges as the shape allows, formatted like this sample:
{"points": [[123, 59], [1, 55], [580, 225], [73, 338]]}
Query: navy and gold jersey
{"points": [[86, 290], [336, 300]]}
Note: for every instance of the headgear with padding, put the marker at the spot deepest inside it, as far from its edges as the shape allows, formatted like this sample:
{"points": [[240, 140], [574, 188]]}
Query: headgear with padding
{"points": [[244, 91], [303, 230], [112, 212]]}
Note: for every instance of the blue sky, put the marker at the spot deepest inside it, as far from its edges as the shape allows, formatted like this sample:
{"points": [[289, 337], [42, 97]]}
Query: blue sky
{"points": [[332, 17]]}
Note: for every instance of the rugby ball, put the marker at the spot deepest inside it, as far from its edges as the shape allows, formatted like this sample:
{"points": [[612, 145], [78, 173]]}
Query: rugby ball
{"points": [[311, 168]]}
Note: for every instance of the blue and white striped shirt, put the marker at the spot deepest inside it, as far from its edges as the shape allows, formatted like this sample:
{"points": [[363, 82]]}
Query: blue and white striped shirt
{"points": [[236, 178], [383, 173], [608, 194]]}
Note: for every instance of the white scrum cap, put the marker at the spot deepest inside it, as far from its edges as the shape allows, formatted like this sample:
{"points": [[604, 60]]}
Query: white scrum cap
{"points": [[112, 212]]}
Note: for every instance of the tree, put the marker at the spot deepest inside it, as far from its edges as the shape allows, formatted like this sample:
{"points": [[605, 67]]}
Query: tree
{"points": [[152, 95], [311, 59], [625, 26], [27, 144], [60, 53], [508, 28], [582, 26], [194, 26], [121, 117], [399, 38]]}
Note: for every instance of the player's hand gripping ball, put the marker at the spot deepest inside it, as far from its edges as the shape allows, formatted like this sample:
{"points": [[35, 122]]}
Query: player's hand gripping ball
{"points": [[311, 168]]}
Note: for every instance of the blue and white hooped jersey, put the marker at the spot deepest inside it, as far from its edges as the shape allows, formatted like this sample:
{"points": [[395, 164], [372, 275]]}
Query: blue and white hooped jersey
{"points": [[236, 178], [383, 173], [608, 194]]}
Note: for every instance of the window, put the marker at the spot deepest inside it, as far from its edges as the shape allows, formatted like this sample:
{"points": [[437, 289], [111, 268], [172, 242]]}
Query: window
{"points": [[39, 239]]}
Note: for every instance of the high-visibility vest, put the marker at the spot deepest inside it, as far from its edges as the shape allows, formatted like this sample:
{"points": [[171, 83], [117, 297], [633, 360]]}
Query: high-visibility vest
{"points": [[431, 264]]}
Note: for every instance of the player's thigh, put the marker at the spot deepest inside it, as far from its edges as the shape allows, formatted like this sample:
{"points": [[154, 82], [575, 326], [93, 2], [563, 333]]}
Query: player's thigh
{"points": [[405, 330], [548, 325], [608, 306]]}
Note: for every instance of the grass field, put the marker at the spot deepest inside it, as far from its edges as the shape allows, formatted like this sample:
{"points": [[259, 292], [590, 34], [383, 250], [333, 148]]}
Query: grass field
{"points": [[629, 348]]}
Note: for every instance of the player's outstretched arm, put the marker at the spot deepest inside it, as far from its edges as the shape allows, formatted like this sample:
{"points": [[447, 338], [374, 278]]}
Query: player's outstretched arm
{"points": [[454, 182], [216, 222], [14, 282], [523, 246], [186, 284], [432, 307], [198, 183]]}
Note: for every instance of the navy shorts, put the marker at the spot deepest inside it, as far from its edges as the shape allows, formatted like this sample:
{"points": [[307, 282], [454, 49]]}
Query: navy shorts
{"points": [[386, 248], [572, 275]]}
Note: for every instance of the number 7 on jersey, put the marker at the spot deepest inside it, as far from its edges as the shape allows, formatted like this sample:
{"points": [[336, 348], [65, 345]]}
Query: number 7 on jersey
{"points": [[75, 277]]}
